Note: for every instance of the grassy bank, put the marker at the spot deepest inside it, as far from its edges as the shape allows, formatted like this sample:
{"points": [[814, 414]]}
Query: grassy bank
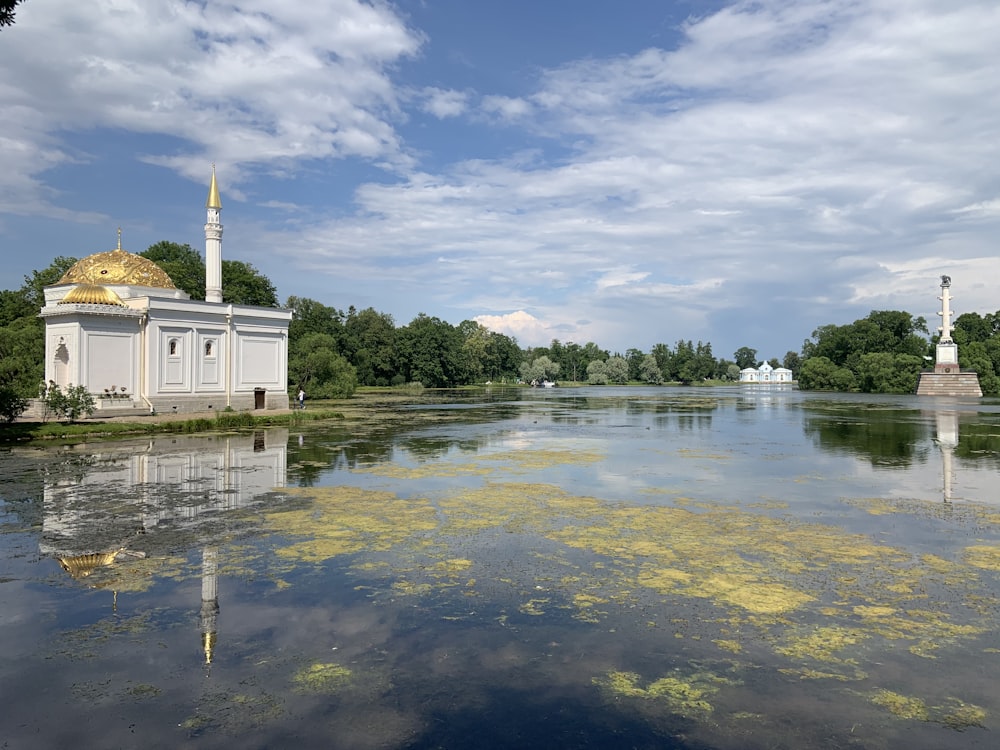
{"points": [[222, 422]]}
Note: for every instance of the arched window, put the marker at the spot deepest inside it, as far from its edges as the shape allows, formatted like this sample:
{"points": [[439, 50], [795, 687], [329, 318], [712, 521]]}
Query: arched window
{"points": [[208, 348], [172, 348]]}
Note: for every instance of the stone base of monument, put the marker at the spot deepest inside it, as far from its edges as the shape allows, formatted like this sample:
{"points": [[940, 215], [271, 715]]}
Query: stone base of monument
{"points": [[948, 380]]}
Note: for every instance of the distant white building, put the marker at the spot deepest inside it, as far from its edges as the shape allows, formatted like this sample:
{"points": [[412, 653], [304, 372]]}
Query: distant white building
{"points": [[765, 374]]}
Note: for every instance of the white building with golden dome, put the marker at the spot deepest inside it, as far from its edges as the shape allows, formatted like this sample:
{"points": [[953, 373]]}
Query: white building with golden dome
{"points": [[115, 320]]}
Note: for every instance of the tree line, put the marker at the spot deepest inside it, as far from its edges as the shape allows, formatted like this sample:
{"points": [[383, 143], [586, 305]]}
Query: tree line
{"points": [[332, 351]]}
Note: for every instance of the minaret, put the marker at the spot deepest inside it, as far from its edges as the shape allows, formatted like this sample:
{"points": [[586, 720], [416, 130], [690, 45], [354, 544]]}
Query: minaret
{"points": [[213, 244]]}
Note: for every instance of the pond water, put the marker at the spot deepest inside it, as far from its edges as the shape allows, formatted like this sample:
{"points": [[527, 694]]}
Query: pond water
{"points": [[579, 568]]}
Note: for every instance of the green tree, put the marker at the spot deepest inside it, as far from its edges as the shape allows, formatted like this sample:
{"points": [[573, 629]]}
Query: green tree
{"points": [[475, 342], [821, 374], [310, 316], [540, 368], [370, 343], [617, 369], [634, 359], [597, 372], [975, 356], [7, 11], [14, 305], [315, 366], [503, 356], [431, 352], [22, 354], [745, 357], [891, 331], [242, 284], [882, 372], [12, 404], [182, 263], [663, 356], [649, 371], [793, 362], [34, 285]]}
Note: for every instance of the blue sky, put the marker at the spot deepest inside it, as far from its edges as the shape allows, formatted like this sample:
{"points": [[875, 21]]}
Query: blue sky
{"points": [[626, 173]]}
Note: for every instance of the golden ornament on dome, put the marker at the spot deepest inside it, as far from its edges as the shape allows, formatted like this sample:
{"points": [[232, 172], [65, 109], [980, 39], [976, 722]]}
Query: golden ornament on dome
{"points": [[117, 267]]}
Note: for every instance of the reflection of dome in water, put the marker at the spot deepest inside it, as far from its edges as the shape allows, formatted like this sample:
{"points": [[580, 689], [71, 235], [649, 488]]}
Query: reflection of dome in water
{"points": [[117, 267], [81, 566], [92, 294]]}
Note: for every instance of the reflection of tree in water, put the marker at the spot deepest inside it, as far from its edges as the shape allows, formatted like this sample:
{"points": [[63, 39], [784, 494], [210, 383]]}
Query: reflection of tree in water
{"points": [[886, 438], [311, 454], [979, 442]]}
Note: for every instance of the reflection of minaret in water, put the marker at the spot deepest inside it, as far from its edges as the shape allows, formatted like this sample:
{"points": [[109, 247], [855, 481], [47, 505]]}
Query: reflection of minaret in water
{"points": [[209, 600], [946, 423]]}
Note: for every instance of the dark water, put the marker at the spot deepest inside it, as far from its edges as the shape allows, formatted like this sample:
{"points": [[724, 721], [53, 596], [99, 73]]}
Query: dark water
{"points": [[594, 568]]}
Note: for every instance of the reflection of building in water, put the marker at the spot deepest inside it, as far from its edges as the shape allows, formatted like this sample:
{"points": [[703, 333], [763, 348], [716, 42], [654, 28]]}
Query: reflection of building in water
{"points": [[946, 436], [170, 492]]}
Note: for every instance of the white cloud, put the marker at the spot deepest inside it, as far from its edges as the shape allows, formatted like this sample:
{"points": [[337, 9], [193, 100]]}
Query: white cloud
{"points": [[248, 85], [526, 328], [444, 103], [508, 108]]}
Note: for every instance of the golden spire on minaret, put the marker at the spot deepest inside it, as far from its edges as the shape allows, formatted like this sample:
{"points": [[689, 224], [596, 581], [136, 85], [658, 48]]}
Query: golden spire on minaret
{"points": [[213, 193], [119, 238]]}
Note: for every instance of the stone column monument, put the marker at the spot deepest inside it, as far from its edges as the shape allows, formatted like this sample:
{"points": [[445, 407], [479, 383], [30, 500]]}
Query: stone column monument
{"points": [[946, 360], [947, 378]]}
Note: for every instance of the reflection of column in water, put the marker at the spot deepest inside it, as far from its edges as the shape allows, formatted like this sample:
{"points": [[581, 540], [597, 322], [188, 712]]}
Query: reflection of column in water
{"points": [[947, 439], [209, 600]]}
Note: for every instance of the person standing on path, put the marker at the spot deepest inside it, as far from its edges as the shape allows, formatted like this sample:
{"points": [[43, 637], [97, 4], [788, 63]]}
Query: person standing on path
{"points": [[302, 399]]}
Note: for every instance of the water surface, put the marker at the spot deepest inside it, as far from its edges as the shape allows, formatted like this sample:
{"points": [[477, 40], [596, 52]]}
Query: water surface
{"points": [[593, 568]]}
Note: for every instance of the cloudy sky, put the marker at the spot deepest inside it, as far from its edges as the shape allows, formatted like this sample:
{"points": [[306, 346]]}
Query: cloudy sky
{"points": [[627, 173]]}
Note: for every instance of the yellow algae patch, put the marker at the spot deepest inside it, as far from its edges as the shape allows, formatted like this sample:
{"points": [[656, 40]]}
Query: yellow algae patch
{"points": [[960, 715], [453, 566], [692, 453], [759, 570], [871, 611], [663, 580], [734, 647], [533, 607], [955, 714], [533, 460], [348, 520], [586, 611], [822, 644], [983, 557], [684, 694], [587, 600], [815, 674], [424, 471], [409, 588], [901, 705], [754, 596], [322, 678]]}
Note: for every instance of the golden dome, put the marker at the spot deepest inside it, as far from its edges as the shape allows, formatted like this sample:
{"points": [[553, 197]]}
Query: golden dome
{"points": [[92, 294], [117, 267]]}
